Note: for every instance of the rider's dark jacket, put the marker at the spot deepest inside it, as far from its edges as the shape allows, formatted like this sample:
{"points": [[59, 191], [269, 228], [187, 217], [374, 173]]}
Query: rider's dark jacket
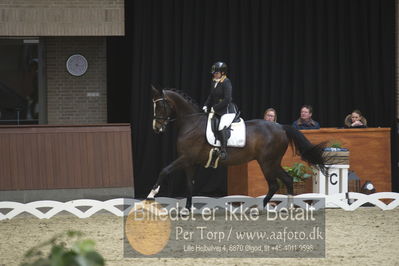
{"points": [[220, 97]]}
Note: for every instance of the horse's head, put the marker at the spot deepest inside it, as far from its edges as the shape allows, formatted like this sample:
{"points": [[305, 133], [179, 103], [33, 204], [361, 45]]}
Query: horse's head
{"points": [[162, 111]]}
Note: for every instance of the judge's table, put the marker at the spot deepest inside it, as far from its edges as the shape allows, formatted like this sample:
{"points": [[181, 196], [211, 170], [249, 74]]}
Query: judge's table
{"points": [[370, 159]]}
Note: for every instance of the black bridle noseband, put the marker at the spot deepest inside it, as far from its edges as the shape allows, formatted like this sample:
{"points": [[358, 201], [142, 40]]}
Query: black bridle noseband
{"points": [[165, 120]]}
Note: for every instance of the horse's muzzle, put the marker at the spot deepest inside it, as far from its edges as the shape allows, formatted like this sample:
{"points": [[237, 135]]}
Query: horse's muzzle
{"points": [[160, 130]]}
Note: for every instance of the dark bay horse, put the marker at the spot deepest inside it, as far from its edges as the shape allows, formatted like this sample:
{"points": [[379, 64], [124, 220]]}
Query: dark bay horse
{"points": [[266, 142]]}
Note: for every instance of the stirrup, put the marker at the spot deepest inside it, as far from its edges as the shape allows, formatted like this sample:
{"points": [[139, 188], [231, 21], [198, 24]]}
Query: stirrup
{"points": [[223, 155]]}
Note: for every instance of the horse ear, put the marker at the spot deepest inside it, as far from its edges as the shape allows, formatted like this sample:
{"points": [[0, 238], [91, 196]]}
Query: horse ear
{"points": [[155, 92]]}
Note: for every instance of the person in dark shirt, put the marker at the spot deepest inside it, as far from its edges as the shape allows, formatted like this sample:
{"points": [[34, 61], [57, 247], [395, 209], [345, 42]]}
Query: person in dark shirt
{"points": [[355, 120], [305, 120], [220, 102]]}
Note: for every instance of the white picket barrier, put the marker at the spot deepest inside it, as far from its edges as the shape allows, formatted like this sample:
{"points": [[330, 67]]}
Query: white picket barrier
{"points": [[244, 202]]}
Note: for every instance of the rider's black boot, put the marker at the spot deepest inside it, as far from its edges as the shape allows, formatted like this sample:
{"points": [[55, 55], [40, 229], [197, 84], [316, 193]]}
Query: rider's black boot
{"points": [[223, 141]]}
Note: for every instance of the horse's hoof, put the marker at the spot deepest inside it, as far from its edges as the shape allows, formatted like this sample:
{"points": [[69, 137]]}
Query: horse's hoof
{"points": [[185, 212], [272, 204], [153, 193], [150, 199]]}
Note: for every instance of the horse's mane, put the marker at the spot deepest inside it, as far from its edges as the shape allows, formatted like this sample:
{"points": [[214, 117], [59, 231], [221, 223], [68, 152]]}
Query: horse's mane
{"points": [[185, 96]]}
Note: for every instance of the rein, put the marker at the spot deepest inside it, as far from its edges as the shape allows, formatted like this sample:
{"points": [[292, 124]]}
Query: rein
{"points": [[168, 119], [195, 114]]}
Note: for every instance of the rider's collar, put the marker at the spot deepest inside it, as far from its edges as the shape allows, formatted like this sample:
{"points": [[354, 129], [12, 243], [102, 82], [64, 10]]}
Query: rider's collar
{"points": [[221, 79]]}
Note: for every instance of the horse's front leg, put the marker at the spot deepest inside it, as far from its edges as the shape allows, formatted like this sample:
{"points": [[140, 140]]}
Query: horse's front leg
{"points": [[190, 172], [175, 165]]}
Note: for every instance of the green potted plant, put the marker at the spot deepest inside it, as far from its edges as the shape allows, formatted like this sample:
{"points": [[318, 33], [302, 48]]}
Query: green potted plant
{"points": [[300, 173], [62, 253], [335, 144], [335, 154]]}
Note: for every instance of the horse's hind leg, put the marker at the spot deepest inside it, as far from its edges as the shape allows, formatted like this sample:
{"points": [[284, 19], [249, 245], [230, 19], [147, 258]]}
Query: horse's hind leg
{"points": [[270, 173], [289, 184], [287, 180]]}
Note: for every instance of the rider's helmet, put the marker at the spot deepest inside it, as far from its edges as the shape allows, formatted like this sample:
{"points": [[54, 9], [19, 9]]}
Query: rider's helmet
{"points": [[219, 67]]}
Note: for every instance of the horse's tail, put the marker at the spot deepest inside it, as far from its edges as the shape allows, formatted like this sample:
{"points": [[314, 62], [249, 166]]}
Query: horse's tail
{"points": [[309, 152]]}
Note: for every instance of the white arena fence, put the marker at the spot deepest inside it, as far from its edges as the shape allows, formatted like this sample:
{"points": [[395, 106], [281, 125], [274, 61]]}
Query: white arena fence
{"points": [[122, 206]]}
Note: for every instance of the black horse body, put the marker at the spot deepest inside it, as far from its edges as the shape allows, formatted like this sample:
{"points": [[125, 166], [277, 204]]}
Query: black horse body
{"points": [[266, 142]]}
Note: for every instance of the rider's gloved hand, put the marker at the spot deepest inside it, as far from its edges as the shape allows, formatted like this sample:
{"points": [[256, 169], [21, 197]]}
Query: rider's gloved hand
{"points": [[205, 108]]}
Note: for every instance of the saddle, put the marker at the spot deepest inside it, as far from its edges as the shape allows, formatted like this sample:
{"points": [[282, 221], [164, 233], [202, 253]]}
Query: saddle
{"points": [[237, 135], [236, 126]]}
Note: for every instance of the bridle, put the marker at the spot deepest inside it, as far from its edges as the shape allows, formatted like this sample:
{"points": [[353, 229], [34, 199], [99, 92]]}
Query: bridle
{"points": [[164, 121]]}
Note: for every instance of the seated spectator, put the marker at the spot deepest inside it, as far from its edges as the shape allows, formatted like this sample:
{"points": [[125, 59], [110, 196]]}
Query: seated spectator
{"points": [[305, 120], [270, 115], [355, 120]]}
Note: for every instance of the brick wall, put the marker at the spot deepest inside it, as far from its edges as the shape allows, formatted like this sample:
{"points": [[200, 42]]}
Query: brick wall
{"points": [[70, 99]]}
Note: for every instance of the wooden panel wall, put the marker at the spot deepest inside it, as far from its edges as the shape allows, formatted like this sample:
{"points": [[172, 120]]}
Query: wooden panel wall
{"points": [[51, 157], [370, 158], [62, 18]]}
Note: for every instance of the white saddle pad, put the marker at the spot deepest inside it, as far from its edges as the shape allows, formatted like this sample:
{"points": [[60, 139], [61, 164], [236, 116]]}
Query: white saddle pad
{"points": [[237, 138]]}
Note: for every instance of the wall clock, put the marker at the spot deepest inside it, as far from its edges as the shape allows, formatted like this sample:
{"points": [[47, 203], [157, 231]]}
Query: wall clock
{"points": [[76, 65]]}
